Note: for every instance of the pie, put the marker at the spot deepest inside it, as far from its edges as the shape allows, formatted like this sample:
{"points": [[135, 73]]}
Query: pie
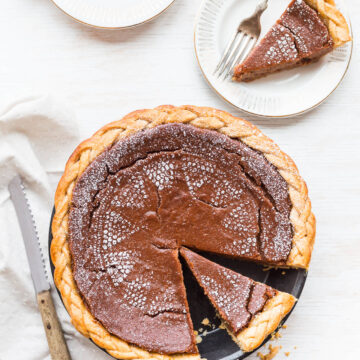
{"points": [[306, 31], [145, 186], [241, 303]]}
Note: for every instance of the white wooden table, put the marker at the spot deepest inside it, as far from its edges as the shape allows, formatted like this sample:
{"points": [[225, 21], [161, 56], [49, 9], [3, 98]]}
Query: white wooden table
{"points": [[103, 75]]}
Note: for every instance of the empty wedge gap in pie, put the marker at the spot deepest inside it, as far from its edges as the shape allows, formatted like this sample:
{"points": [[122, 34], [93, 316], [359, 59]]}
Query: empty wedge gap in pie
{"points": [[306, 31], [158, 182]]}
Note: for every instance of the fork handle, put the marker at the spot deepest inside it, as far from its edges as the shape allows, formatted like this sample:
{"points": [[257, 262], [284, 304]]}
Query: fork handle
{"points": [[55, 337], [260, 8]]}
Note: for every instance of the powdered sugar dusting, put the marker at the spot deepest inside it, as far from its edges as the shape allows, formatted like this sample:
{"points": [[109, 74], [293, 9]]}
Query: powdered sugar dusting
{"points": [[119, 265], [228, 302], [306, 26], [283, 48], [160, 173]]}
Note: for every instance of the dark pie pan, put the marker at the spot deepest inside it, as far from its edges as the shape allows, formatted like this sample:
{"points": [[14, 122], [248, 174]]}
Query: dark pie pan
{"points": [[217, 344]]}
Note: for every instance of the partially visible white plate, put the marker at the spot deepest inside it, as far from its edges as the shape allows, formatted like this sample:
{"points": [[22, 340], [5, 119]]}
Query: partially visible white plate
{"points": [[113, 14], [284, 94]]}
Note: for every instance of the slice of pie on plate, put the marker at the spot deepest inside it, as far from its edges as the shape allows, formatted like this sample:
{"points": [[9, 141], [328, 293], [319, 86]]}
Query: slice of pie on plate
{"points": [[141, 188], [306, 31], [250, 310]]}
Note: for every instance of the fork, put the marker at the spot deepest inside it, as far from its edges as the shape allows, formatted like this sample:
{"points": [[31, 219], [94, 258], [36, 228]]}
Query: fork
{"points": [[242, 42]]}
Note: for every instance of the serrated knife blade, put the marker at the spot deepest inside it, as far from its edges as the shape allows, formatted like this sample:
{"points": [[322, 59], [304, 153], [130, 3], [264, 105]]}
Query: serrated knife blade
{"points": [[55, 337], [30, 235]]}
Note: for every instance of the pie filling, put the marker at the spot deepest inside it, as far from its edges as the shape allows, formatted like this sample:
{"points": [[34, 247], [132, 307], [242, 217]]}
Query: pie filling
{"points": [[148, 195], [298, 38]]}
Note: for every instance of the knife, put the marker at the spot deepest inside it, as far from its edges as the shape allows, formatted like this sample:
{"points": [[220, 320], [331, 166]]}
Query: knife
{"points": [[55, 337]]}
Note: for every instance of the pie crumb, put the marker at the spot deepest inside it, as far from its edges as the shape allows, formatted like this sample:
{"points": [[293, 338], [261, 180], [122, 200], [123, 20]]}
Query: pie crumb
{"points": [[196, 333], [287, 353], [198, 339], [272, 353], [275, 336], [283, 272], [284, 326], [205, 322], [201, 330], [205, 333]]}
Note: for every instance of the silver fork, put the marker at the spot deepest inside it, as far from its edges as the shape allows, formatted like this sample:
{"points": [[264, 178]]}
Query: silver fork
{"points": [[242, 42]]}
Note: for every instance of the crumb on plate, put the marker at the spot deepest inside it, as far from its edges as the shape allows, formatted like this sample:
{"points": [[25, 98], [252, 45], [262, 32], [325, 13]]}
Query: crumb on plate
{"points": [[205, 321], [273, 350]]}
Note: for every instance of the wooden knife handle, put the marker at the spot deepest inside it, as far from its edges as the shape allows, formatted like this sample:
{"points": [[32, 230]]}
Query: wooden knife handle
{"points": [[55, 337]]}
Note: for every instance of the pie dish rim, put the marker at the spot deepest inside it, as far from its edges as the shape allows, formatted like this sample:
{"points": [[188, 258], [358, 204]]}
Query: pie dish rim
{"points": [[301, 217]]}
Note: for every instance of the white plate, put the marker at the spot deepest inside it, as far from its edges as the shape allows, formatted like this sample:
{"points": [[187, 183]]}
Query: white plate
{"points": [[113, 14], [284, 94]]}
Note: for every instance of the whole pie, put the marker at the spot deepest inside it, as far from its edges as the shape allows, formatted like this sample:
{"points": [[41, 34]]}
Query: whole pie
{"points": [[306, 31], [157, 181]]}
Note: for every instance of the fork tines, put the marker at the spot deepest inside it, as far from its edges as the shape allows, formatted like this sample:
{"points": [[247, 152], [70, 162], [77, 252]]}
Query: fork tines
{"points": [[237, 50], [242, 42]]}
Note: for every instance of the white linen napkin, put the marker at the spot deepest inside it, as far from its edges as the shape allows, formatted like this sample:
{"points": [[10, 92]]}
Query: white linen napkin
{"points": [[37, 135]]}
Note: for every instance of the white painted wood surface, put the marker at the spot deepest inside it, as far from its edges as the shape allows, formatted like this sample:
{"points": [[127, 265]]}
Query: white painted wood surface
{"points": [[103, 75]]}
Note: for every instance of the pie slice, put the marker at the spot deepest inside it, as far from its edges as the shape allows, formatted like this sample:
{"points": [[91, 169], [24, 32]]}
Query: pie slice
{"points": [[250, 310], [306, 31]]}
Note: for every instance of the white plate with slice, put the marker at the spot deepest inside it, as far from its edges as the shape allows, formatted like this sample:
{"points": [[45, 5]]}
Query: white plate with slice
{"points": [[113, 14], [284, 94]]}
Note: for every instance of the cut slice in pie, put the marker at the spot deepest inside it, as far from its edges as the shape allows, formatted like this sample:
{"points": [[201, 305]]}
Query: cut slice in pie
{"points": [[250, 310], [307, 30]]}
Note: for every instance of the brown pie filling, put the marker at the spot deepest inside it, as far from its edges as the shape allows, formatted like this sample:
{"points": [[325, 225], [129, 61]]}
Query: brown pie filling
{"points": [[148, 195]]}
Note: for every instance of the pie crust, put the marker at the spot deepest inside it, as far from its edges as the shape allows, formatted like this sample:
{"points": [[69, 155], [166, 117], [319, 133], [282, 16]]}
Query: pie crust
{"points": [[301, 217], [334, 20], [264, 323]]}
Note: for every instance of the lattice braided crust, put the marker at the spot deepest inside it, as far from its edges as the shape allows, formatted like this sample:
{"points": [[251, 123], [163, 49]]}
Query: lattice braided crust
{"points": [[301, 217], [334, 19], [266, 322]]}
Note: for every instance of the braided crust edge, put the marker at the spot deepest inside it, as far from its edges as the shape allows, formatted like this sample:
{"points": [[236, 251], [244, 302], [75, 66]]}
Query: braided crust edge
{"points": [[334, 20], [266, 322], [301, 217]]}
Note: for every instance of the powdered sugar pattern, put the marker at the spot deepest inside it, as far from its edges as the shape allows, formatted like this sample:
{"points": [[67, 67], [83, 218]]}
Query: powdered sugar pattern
{"points": [[284, 47], [306, 26], [115, 229], [119, 265], [228, 303], [160, 173]]}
